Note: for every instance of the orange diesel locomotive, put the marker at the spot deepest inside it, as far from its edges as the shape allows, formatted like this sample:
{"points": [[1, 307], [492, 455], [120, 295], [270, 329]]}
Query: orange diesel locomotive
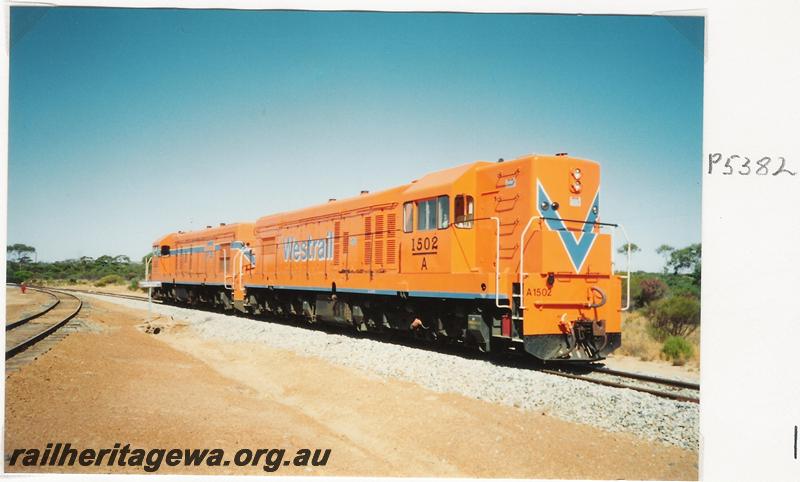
{"points": [[199, 267], [506, 255]]}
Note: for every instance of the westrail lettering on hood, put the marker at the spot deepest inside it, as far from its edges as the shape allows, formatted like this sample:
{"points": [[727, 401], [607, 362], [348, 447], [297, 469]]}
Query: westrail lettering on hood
{"points": [[310, 249]]}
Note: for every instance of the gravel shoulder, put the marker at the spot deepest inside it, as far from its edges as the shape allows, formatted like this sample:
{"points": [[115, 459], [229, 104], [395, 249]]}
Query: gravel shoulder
{"points": [[611, 409], [279, 386]]}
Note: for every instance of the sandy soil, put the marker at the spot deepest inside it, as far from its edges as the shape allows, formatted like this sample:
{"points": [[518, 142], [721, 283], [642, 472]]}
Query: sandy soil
{"points": [[18, 305], [120, 384]]}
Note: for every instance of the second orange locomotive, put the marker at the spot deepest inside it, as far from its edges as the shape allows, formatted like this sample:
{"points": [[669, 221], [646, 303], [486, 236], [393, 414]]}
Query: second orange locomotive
{"points": [[507, 255]]}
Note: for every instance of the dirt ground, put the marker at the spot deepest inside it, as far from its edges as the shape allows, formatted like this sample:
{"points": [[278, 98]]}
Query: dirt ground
{"points": [[117, 383], [18, 305]]}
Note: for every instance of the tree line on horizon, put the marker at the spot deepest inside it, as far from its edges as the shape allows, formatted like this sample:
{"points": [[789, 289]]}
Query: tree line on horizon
{"points": [[120, 269]]}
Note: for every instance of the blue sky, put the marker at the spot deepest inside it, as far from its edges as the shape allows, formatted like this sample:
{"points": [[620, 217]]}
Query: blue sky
{"points": [[128, 124]]}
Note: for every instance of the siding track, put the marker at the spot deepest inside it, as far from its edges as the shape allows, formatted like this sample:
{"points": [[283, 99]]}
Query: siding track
{"points": [[24, 335]]}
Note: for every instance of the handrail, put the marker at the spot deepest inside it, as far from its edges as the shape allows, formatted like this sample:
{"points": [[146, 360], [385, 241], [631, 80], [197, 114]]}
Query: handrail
{"points": [[241, 268], [627, 276], [522, 261], [497, 266], [238, 254], [225, 270]]}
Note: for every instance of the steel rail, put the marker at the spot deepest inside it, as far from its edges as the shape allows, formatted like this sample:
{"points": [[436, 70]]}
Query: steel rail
{"points": [[105, 293], [648, 378], [22, 321], [672, 396], [20, 347]]}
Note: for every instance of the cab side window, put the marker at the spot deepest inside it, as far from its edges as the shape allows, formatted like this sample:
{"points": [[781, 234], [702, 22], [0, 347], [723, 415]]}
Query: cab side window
{"points": [[426, 215], [464, 211], [408, 217], [431, 214], [443, 212]]}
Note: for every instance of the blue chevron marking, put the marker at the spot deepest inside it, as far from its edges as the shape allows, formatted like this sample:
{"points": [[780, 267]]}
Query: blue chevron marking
{"points": [[577, 248]]}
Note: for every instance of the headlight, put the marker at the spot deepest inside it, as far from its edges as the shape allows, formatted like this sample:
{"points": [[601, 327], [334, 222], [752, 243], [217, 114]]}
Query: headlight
{"points": [[576, 187], [576, 173]]}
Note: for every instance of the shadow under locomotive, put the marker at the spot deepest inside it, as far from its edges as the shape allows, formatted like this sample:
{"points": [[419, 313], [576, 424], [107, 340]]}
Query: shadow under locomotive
{"points": [[468, 328]]}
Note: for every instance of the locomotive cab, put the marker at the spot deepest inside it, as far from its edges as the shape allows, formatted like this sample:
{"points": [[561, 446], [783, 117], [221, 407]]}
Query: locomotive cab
{"points": [[553, 255], [438, 214]]}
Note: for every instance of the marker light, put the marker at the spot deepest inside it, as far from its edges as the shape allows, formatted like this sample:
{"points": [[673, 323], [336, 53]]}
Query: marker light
{"points": [[545, 206]]}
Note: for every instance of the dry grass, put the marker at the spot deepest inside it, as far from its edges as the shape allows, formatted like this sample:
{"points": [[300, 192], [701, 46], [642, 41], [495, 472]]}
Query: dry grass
{"points": [[637, 342]]}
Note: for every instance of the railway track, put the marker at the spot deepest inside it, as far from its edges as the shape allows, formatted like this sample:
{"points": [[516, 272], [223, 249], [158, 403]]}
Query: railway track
{"points": [[106, 293], [678, 390], [28, 332], [661, 387]]}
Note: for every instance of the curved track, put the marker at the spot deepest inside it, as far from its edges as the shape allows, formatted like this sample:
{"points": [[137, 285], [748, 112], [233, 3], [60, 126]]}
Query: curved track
{"points": [[23, 336], [661, 387]]}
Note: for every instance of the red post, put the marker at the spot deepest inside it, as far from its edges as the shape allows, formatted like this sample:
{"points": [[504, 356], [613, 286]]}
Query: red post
{"points": [[505, 325]]}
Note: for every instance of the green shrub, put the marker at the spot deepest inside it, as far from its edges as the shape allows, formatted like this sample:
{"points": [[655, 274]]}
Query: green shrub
{"points": [[134, 284], [677, 349], [682, 285], [109, 279], [19, 276], [674, 316]]}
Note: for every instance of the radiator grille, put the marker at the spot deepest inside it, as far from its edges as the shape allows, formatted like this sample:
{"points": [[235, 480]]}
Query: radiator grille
{"points": [[391, 242], [367, 240], [337, 227], [379, 239]]}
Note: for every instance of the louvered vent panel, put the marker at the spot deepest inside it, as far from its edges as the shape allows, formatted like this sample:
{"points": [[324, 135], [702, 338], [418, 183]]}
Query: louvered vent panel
{"points": [[337, 226], [379, 239], [367, 240], [346, 243], [391, 242]]}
